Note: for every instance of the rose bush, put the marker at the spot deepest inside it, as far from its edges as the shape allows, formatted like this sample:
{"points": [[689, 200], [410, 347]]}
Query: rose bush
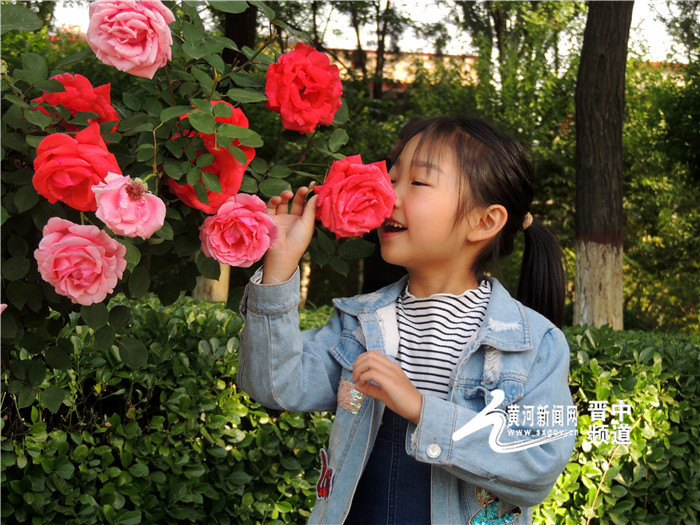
{"points": [[127, 207], [304, 88], [131, 35], [240, 233], [79, 96], [81, 262], [188, 124], [355, 198], [66, 168]]}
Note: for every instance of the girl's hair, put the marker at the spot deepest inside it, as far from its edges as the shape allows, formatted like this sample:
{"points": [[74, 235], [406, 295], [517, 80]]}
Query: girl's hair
{"points": [[495, 169]]}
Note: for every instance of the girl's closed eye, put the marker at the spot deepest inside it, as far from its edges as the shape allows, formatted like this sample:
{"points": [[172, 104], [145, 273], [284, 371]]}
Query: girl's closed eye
{"points": [[418, 183]]}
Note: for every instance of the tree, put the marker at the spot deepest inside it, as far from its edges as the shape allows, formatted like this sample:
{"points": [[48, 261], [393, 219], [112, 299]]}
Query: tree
{"points": [[600, 97]]}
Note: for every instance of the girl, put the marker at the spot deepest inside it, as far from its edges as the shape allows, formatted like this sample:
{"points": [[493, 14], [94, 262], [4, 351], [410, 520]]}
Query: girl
{"points": [[426, 374]]}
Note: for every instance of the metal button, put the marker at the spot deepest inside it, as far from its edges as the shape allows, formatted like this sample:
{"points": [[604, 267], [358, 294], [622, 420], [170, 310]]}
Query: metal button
{"points": [[433, 451]]}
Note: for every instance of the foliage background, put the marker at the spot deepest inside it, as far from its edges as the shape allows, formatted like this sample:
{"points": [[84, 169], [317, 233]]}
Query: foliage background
{"points": [[173, 439], [127, 412]]}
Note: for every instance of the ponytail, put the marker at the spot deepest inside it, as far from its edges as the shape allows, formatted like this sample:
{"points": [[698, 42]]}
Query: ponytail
{"points": [[542, 283]]}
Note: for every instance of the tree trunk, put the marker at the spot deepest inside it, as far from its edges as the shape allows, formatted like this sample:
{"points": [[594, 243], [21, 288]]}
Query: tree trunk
{"points": [[211, 290], [600, 98], [241, 28], [377, 87]]}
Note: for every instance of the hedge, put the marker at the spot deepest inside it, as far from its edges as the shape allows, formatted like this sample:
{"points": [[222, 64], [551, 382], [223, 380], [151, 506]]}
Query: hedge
{"points": [[154, 429]]}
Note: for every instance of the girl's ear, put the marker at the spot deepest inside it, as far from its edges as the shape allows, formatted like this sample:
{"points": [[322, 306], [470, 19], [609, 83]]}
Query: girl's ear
{"points": [[487, 222]]}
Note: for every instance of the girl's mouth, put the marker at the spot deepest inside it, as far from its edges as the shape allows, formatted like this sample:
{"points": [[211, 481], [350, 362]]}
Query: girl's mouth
{"points": [[391, 226]]}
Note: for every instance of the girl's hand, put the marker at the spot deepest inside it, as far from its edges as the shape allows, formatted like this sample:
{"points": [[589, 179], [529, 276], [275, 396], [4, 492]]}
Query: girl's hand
{"points": [[391, 385], [295, 225]]}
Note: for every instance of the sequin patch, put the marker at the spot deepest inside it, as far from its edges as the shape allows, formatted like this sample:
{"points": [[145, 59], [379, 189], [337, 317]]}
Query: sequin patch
{"points": [[491, 513], [325, 480], [349, 398]]}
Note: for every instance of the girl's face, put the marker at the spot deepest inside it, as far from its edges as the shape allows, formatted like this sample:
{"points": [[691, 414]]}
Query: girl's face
{"points": [[421, 234]]}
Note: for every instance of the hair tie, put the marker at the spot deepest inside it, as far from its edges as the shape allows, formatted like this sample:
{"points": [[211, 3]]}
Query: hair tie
{"points": [[527, 221]]}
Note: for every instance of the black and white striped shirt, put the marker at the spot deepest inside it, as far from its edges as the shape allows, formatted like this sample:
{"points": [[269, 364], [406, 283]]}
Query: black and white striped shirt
{"points": [[433, 333]]}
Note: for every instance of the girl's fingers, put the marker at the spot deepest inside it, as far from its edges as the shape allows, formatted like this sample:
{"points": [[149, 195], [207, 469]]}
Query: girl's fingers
{"points": [[278, 205], [298, 202]]}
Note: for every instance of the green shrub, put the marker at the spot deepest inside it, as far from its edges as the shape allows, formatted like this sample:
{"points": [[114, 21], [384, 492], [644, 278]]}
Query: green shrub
{"points": [[154, 429], [653, 480]]}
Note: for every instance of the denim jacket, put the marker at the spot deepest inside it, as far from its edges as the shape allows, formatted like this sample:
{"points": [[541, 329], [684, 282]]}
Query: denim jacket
{"points": [[475, 479]]}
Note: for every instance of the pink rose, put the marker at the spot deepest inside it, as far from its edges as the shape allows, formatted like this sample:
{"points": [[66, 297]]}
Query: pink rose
{"points": [[355, 198], [225, 166], [2, 307], [81, 262], [131, 35], [127, 207], [304, 88], [66, 168], [240, 233], [80, 96]]}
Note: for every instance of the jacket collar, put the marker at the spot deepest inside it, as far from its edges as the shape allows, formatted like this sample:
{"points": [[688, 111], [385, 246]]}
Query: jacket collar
{"points": [[507, 324]]}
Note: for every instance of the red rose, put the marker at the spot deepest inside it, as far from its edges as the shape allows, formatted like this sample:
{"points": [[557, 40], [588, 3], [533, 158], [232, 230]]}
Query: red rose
{"points": [[225, 166], [304, 88], [66, 168], [355, 198], [80, 96]]}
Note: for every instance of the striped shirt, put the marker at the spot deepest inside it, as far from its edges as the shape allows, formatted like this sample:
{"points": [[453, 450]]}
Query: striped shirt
{"points": [[434, 332]]}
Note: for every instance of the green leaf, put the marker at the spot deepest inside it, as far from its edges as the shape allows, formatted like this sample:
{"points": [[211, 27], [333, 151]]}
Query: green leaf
{"points": [[264, 8], [36, 373], [353, 249], [56, 358], [273, 187], [173, 112], [208, 267], [119, 316], [280, 171], [25, 198], [63, 467], [133, 352], [104, 338], [26, 396], [133, 254], [211, 181], [231, 132], [38, 118], [53, 397], [339, 265], [128, 517], [138, 470], [201, 193], [246, 95], [34, 68], [202, 122], [95, 315], [325, 242], [18, 18], [139, 282], [338, 138], [342, 115], [230, 6]]}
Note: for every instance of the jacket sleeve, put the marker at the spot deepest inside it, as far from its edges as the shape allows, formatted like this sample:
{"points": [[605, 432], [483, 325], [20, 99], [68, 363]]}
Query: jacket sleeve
{"points": [[280, 366], [523, 476]]}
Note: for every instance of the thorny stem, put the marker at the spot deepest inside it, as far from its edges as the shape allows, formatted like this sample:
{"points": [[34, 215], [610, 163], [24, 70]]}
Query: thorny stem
{"points": [[170, 85], [307, 148], [602, 479], [259, 50]]}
